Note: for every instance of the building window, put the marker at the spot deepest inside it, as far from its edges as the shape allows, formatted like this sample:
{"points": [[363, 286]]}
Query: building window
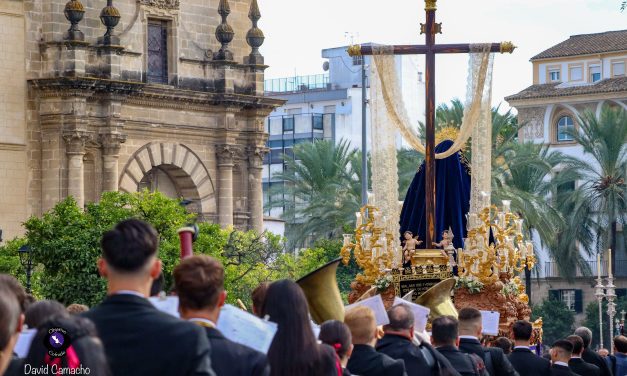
{"points": [[595, 73], [157, 52], [288, 124], [576, 73], [573, 299], [317, 122], [618, 68], [554, 75], [565, 125], [358, 60]]}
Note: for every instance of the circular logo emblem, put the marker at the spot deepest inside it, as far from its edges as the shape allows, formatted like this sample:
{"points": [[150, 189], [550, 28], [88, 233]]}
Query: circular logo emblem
{"points": [[57, 341]]}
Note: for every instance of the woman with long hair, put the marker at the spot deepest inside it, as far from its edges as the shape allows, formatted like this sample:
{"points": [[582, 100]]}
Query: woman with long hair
{"points": [[337, 335], [294, 349]]}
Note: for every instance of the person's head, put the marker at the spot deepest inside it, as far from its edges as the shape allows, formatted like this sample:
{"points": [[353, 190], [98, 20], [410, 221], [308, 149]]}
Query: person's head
{"points": [[258, 296], [620, 344], [470, 322], [504, 344], [445, 331], [43, 310], [85, 350], [603, 352], [337, 335], [294, 349], [16, 288], [408, 235], [11, 320], [199, 284], [157, 285], [75, 309], [129, 256], [521, 331], [362, 324], [561, 351], [585, 334], [401, 321], [577, 344]]}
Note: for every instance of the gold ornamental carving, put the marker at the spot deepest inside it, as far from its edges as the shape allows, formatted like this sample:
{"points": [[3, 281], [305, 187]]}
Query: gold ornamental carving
{"points": [[430, 5], [507, 47], [354, 50]]}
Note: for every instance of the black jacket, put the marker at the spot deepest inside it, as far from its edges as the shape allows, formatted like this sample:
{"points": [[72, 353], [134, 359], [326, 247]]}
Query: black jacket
{"points": [[366, 361], [419, 360], [526, 363], [591, 357], [497, 365], [578, 365], [230, 358], [559, 370], [462, 362], [141, 340]]}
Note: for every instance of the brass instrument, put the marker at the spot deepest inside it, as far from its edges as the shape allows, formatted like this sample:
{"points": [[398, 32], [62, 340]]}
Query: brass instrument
{"points": [[438, 299], [322, 293]]}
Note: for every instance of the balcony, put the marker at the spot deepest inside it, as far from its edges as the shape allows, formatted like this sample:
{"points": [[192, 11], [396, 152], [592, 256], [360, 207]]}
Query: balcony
{"points": [[620, 269], [295, 84]]}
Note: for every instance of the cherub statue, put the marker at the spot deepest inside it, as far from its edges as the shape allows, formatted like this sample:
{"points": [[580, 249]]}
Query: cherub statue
{"points": [[448, 249], [409, 247]]}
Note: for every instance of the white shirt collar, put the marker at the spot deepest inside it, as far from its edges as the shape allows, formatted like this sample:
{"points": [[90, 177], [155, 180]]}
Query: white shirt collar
{"points": [[129, 292], [202, 321], [575, 357], [558, 363], [522, 347], [469, 337]]}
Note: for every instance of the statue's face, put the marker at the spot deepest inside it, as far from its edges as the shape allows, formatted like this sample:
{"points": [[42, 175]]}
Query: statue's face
{"points": [[408, 235]]}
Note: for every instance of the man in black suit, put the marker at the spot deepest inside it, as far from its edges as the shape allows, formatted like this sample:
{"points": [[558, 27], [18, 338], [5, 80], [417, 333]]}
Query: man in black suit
{"points": [[577, 364], [199, 282], [525, 362], [560, 352], [398, 343], [365, 360], [444, 337], [590, 356], [470, 328], [138, 339]]}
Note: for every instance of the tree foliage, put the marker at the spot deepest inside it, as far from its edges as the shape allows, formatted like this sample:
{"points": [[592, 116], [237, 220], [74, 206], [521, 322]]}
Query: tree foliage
{"points": [[557, 320]]}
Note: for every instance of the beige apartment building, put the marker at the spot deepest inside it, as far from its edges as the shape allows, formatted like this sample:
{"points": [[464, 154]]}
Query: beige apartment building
{"points": [[158, 94]]}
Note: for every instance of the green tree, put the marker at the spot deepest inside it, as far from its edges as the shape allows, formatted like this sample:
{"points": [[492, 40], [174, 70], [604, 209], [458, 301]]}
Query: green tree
{"points": [[557, 320], [408, 162], [592, 320]]}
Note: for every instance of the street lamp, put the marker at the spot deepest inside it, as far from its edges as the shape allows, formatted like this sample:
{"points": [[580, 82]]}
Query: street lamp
{"points": [[26, 259]]}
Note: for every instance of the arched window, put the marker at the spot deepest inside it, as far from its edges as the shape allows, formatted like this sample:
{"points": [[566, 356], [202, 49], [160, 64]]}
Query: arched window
{"points": [[565, 125]]}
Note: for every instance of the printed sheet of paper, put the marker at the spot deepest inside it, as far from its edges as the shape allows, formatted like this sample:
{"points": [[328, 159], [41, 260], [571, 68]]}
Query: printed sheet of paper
{"points": [[490, 322], [375, 303], [169, 305], [246, 329], [421, 314], [23, 342]]}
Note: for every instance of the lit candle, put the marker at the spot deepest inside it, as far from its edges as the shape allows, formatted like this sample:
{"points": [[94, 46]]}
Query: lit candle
{"points": [[599, 265], [609, 263]]}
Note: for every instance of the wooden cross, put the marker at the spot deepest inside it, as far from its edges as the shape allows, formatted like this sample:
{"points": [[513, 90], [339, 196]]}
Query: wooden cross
{"points": [[429, 49]]}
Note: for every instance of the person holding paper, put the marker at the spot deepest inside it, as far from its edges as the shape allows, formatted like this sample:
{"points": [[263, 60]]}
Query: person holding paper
{"points": [[470, 331], [397, 343], [199, 282], [525, 361], [365, 360]]}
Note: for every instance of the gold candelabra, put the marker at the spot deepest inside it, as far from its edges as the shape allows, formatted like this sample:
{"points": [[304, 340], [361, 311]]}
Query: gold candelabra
{"points": [[485, 260], [373, 247]]}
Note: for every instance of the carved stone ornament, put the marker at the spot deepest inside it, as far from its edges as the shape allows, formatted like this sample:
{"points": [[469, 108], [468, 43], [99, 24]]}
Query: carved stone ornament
{"points": [[112, 142], [256, 155], [76, 141], [161, 4], [225, 154]]}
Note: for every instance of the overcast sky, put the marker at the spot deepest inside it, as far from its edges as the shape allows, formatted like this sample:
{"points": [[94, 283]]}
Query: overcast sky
{"points": [[297, 30]]}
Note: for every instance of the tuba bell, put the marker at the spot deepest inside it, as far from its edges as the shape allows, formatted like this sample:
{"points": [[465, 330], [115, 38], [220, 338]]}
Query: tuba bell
{"points": [[438, 299], [322, 293]]}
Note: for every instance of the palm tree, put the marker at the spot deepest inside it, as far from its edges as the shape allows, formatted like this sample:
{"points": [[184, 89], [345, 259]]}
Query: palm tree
{"points": [[408, 161], [602, 193]]}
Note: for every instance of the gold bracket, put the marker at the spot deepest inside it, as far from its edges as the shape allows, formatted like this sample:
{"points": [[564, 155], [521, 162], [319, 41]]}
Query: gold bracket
{"points": [[354, 50], [437, 27], [507, 47], [430, 5]]}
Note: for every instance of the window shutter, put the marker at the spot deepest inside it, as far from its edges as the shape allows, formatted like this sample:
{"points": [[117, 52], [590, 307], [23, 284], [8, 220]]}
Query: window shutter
{"points": [[554, 294], [578, 301]]}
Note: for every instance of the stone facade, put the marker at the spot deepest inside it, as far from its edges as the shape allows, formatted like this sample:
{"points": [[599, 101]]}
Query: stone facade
{"points": [[82, 115]]}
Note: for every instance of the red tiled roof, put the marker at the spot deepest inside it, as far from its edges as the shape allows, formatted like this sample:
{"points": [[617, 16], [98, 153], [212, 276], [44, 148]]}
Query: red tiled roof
{"points": [[586, 44], [611, 85]]}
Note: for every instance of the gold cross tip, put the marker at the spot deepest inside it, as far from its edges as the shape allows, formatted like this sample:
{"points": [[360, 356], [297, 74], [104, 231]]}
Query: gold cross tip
{"points": [[430, 4], [507, 47], [354, 50]]}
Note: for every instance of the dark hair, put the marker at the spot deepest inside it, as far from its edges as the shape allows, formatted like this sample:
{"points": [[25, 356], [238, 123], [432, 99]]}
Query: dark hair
{"points": [[564, 345], [157, 285], [503, 343], [444, 330], [401, 318], [84, 342], [577, 343], [469, 314], [294, 349], [43, 310], [128, 247], [18, 291], [258, 296], [585, 334], [620, 342], [337, 335], [522, 330], [9, 315], [198, 281]]}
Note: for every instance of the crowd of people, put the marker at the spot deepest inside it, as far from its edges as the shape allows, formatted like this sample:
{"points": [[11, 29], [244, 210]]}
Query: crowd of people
{"points": [[126, 335]]}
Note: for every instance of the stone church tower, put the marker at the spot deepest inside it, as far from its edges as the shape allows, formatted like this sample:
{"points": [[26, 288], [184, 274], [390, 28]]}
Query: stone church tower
{"points": [[105, 95]]}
